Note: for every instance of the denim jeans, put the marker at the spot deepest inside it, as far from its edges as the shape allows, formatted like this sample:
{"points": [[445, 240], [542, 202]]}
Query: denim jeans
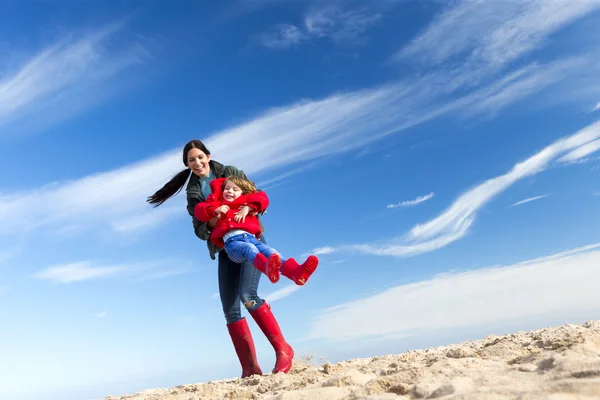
{"points": [[238, 283], [245, 247]]}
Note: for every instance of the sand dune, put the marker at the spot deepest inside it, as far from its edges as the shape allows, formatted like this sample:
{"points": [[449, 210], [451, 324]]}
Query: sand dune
{"points": [[561, 363]]}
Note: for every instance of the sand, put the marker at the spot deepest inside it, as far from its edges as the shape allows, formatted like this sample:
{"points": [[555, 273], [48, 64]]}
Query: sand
{"points": [[560, 363]]}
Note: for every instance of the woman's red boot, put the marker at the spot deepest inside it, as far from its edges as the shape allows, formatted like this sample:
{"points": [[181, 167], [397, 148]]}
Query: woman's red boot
{"points": [[244, 347], [268, 324]]}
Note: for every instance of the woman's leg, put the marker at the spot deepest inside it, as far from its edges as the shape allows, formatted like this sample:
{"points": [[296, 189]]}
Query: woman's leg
{"points": [[241, 337], [261, 312], [229, 288]]}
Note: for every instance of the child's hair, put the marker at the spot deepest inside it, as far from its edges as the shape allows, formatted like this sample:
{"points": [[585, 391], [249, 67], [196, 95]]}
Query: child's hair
{"points": [[246, 185]]}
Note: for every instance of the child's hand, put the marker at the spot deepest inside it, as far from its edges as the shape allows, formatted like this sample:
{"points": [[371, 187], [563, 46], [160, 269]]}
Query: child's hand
{"points": [[221, 210], [240, 216]]}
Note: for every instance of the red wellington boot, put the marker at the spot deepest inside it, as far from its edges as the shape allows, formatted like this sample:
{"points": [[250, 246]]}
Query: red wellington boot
{"points": [[268, 324], [269, 267], [299, 273], [244, 347]]}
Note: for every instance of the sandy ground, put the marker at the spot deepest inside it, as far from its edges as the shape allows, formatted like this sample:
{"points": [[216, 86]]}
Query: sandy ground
{"points": [[561, 363]]}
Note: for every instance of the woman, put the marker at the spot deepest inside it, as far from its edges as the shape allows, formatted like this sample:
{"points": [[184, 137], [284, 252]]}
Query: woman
{"points": [[237, 282]]}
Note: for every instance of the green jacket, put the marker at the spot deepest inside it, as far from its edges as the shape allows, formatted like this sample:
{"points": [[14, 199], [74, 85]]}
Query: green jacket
{"points": [[194, 196]]}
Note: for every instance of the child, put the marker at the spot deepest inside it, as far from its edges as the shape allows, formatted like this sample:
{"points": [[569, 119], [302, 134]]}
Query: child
{"points": [[236, 202]]}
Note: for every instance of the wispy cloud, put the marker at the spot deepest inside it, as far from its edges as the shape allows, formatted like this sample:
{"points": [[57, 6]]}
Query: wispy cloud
{"points": [[492, 33], [271, 181], [596, 193], [281, 293], [101, 314], [79, 271], [299, 132], [334, 22], [597, 107], [283, 36], [323, 21], [484, 296], [319, 251], [279, 137], [455, 222], [56, 82], [323, 250], [518, 203], [410, 203], [145, 219], [581, 152]]}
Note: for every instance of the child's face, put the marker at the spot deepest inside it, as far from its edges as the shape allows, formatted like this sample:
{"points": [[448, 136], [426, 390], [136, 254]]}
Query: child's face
{"points": [[231, 191]]}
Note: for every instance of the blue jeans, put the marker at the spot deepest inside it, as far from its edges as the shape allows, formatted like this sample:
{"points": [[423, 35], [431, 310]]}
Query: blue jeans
{"points": [[238, 283], [245, 247]]}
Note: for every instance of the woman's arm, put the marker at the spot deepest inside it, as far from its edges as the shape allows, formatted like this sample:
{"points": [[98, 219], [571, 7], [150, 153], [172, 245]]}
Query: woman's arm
{"points": [[201, 229]]}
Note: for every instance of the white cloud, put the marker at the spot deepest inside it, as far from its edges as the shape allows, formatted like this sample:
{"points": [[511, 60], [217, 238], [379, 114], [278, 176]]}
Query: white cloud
{"points": [[493, 33], [323, 21], [338, 24], [281, 293], [86, 270], [581, 152], [283, 36], [597, 107], [101, 314], [563, 283], [272, 180], [57, 81], [79, 271], [146, 219], [518, 203], [455, 222], [319, 251], [410, 203], [296, 133], [323, 250]]}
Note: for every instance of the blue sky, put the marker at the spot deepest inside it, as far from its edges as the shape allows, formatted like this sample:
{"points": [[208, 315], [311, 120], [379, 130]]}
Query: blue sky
{"points": [[441, 157]]}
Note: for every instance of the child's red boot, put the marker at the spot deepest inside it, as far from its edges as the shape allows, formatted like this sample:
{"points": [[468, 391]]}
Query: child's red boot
{"points": [[269, 267], [299, 273]]}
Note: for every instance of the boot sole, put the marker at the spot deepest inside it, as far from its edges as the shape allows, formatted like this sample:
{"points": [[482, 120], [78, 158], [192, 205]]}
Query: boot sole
{"points": [[273, 267]]}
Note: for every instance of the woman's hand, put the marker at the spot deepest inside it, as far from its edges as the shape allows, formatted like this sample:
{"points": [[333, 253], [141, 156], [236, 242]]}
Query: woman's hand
{"points": [[212, 223], [240, 216]]}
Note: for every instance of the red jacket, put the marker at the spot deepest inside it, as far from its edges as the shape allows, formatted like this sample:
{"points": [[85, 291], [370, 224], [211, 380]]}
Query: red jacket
{"points": [[205, 211]]}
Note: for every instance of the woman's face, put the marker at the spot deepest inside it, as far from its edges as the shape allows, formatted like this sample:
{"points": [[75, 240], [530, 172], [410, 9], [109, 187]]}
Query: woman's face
{"points": [[197, 161]]}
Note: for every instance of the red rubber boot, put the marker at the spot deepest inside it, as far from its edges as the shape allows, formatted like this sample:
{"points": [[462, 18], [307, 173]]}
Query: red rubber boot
{"points": [[268, 324], [299, 273], [244, 347], [269, 267]]}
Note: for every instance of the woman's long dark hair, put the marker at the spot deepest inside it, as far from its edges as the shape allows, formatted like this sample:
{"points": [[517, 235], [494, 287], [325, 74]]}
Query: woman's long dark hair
{"points": [[176, 183]]}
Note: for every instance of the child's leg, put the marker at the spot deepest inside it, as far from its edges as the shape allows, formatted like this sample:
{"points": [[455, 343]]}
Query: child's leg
{"points": [[240, 251], [245, 250], [272, 256]]}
